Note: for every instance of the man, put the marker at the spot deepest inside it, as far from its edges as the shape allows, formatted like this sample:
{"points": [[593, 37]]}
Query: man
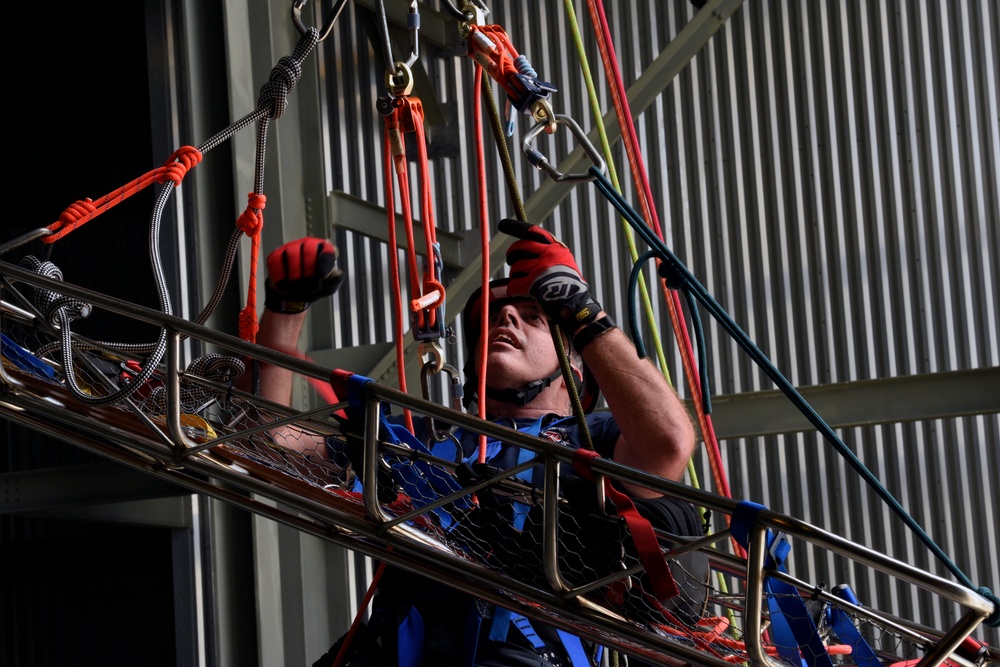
{"points": [[646, 426]]}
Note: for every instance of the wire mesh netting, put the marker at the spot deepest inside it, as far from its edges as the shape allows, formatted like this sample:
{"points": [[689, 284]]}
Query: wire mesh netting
{"points": [[540, 538]]}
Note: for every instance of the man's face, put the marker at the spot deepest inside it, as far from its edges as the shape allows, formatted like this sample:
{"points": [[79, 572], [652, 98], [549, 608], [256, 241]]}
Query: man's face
{"points": [[519, 343]]}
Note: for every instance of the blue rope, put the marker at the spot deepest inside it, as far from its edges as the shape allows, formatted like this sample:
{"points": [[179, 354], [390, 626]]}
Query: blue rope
{"points": [[674, 271], [699, 333]]}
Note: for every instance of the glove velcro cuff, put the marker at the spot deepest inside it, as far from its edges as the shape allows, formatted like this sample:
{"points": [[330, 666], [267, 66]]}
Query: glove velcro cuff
{"points": [[584, 312], [273, 301]]}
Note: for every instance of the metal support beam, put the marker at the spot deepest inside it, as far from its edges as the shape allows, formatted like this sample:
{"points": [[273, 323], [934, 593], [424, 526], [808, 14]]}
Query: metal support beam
{"points": [[362, 217], [48, 489], [862, 403], [653, 82]]}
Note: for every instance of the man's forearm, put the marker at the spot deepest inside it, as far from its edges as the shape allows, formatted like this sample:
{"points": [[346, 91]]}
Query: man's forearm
{"points": [[281, 333], [657, 430]]}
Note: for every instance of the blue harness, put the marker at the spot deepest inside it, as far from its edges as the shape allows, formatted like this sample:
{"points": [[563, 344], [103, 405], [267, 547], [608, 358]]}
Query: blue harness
{"points": [[424, 483]]}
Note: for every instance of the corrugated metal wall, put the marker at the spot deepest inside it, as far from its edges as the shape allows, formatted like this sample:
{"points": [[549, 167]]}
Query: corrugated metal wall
{"points": [[830, 171]]}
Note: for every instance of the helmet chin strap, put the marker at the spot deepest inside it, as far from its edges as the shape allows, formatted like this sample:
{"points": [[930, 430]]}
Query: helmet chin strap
{"points": [[525, 395]]}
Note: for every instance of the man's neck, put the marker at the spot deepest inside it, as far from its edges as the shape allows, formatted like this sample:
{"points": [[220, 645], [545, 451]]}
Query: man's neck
{"points": [[551, 401]]}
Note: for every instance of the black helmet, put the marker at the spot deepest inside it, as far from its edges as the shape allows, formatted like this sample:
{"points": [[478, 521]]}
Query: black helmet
{"points": [[588, 390]]}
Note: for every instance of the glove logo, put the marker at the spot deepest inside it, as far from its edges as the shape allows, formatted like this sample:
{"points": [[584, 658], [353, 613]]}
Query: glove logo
{"points": [[559, 288]]}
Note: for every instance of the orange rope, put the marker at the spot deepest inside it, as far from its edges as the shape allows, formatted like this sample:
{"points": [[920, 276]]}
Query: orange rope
{"points": [[251, 222], [390, 207], [484, 225], [361, 611], [81, 212], [431, 279]]}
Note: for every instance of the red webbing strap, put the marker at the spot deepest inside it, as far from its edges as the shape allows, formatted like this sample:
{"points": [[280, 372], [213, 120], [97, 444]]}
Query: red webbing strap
{"points": [[81, 212], [646, 544], [362, 609], [251, 222]]}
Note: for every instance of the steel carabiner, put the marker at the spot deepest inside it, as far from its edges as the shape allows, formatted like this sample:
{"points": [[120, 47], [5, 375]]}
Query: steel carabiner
{"points": [[436, 366], [540, 161], [331, 18]]}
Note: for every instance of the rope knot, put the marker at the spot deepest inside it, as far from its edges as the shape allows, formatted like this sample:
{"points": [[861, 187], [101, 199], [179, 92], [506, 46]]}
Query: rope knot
{"points": [[256, 201], [285, 74], [274, 94], [77, 211], [251, 221], [178, 164]]}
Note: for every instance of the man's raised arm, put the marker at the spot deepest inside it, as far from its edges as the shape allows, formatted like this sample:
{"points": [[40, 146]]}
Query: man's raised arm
{"points": [[657, 434]]}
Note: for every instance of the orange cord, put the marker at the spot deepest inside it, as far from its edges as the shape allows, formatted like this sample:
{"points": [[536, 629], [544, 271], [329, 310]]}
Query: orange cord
{"points": [[361, 611], [81, 212], [251, 222], [484, 225], [397, 305]]}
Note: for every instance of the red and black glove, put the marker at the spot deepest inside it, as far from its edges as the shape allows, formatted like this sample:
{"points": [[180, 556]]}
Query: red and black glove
{"points": [[299, 273], [544, 268]]}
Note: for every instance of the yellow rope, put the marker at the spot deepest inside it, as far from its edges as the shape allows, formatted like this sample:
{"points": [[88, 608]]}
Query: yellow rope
{"points": [[613, 177]]}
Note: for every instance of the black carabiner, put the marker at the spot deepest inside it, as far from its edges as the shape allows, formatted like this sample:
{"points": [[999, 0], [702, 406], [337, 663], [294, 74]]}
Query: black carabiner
{"points": [[331, 18]]}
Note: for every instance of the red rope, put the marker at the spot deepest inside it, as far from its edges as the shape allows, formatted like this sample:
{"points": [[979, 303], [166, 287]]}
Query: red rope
{"points": [[484, 226], [81, 212], [397, 307], [361, 611], [251, 222], [431, 279], [639, 175]]}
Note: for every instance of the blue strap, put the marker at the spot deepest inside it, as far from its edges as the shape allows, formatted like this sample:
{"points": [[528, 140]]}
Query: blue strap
{"points": [[574, 649], [355, 398], [792, 626], [410, 640], [524, 455], [473, 622], [862, 654], [524, 625], [501, 622], [446, 449], [23, 359], [422, 482]]}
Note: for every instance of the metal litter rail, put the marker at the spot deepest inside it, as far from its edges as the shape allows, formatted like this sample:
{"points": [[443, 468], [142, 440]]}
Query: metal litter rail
{"points": [[204, 434]]}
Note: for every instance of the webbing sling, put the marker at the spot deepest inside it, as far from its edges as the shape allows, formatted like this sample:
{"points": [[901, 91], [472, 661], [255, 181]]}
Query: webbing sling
{"points": [[530, 475], [794, 632], [648, 547], [844, 628]]}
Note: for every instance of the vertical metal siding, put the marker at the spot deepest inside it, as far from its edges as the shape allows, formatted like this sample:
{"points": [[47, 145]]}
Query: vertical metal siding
{"points": [[829, 171]]}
